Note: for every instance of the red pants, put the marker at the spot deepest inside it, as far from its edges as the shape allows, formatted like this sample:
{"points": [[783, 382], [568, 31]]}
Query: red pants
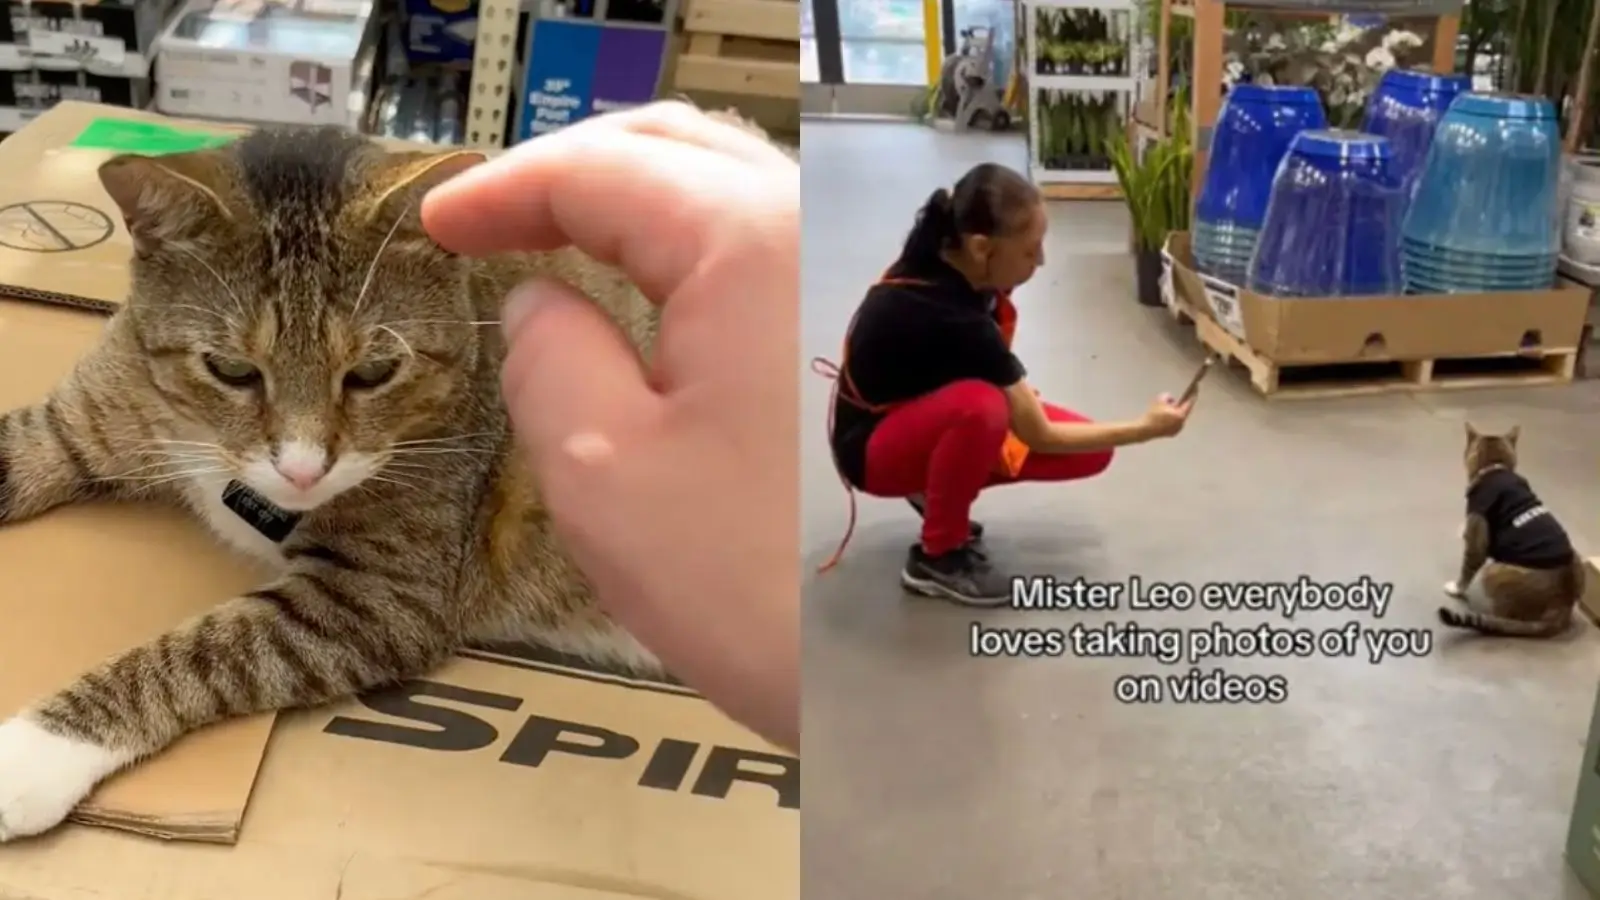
{"points": [[946, 444]]}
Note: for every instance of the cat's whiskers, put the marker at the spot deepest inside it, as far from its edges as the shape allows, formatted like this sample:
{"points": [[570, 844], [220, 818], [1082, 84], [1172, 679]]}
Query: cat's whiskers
{"points": [[411, 470], [238, 304], [439, 451], [373, 268], [227, 320], [160, 478], [396, 335], [440, 440], [445, 322], [169, 442], [164, 465]]}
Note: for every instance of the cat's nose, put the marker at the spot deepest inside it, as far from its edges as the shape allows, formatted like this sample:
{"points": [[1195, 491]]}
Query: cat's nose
{"points": [[302, 465]]}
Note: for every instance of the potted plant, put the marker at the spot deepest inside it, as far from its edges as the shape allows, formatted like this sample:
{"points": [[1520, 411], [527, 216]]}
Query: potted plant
{"points": [[1058, 59], [1156, 188], [1096, 54], [1110, 123], [1044, 42], [1116, 59], [1051, 134], [1093, 135]]}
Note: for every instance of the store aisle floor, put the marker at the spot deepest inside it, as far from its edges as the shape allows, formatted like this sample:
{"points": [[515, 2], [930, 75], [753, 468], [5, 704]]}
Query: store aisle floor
{"points": [[932, 774]]}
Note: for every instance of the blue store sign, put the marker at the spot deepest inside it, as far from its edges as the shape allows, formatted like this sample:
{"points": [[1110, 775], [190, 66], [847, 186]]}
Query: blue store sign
{"points": [[576, 69], [558, 83]]}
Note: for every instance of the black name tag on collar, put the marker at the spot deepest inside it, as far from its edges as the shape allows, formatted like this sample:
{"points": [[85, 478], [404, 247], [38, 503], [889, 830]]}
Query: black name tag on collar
{"points": [[259, 512]]}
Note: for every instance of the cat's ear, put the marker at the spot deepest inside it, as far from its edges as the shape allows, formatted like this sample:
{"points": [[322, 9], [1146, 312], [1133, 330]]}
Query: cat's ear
{"points": [[1472, 433], [1512, 434], [165, 199], [401, 179]]}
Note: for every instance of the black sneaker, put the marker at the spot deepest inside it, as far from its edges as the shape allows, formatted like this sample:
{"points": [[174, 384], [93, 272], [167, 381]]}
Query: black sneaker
{"points": [[963, 576], [918, 503]]}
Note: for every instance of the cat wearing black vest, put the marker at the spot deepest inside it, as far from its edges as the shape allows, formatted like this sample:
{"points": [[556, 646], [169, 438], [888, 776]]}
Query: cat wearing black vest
{"points": [[1528, 577]]}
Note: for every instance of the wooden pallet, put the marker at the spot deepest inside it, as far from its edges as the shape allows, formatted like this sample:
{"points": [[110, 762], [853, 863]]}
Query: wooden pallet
{"points": [[1315, 381], [748, 48], [1060, 190]]}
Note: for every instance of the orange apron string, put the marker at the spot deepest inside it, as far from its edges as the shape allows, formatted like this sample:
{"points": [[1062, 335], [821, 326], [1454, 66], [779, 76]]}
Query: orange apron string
{"points": [[1012, 454]]}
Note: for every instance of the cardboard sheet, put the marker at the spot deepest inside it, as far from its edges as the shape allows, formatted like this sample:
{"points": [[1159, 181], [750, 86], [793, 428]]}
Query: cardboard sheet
{"points": [[509, 773], [84, 583], [495, 778]]}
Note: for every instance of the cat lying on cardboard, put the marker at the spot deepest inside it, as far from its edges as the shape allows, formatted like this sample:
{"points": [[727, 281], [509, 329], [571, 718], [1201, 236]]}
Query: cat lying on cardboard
{"points": [[1529, 578], [300, 365]]}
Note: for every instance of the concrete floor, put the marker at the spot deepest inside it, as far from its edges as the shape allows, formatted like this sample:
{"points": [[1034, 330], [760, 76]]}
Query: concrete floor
{"points": [[930, 774]]}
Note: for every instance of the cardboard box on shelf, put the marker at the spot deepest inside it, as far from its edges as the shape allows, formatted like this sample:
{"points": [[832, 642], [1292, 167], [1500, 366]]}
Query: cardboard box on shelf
{"points": [[110, 37], [27, 92], [268, 62], [96, 52], [1309, 331], [509, 773]]}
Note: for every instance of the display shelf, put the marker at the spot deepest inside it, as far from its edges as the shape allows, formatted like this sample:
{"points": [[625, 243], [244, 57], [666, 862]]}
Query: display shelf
{"points": [[1083, 82], [1079, 58], [1068, 131], [1042, 175]]}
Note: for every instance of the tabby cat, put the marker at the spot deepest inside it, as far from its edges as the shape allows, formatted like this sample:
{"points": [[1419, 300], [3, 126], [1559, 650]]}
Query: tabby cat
{"points": [[1529, 577], [303, 368]]}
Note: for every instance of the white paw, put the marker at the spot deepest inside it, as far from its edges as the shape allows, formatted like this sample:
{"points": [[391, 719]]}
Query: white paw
{"points": [[1454, 590], [43, 776]]}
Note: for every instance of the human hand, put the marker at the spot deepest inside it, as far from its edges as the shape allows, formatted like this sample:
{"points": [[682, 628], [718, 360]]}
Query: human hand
{"points": [[676, 490], [1166, 417]]}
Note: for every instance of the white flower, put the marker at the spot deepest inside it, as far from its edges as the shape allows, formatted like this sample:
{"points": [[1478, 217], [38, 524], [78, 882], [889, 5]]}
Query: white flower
{"points": [[1401, 40], [1232, 71], [1276, 43], [1348, 33], [1328, 47], [1380, 58]]}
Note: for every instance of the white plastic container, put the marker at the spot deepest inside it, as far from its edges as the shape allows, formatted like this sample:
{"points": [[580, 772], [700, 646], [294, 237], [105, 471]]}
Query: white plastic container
{"points": [[1580, 238]]}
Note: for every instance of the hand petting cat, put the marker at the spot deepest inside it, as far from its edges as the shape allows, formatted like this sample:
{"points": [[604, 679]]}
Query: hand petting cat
{"points": [[675, 489]]}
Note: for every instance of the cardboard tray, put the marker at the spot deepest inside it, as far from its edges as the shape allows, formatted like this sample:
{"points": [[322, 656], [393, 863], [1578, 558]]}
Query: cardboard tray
{"points": [[1308, 331]]}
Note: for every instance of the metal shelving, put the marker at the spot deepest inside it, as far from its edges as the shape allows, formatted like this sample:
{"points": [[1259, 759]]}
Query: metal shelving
{"points": [[1068, 183]]}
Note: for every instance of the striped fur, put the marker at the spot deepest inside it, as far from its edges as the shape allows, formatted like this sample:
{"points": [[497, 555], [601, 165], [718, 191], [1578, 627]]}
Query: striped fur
{"points": [[300, 252]]}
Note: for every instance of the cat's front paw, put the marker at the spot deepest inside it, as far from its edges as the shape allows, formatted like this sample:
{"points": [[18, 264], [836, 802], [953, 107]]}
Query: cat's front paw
{"points": [[44, 775], [1451, 589]]}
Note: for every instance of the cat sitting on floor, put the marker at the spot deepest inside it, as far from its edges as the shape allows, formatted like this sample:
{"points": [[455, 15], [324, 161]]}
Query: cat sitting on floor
{"points": [[305, 370], [1528, 576]]}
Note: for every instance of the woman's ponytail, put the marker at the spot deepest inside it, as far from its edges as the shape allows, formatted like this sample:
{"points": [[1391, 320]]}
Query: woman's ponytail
{"points": [[933, 231]]}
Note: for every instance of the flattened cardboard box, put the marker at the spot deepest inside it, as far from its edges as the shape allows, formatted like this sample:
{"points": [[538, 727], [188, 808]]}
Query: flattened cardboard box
{"points": [[506, 774]]}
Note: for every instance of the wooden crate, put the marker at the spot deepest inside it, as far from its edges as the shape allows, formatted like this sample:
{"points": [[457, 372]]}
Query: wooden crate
{"points": [[747, 48], [1277, 381]]}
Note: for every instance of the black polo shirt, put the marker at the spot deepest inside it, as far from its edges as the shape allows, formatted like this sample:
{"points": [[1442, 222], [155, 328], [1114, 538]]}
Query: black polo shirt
{"points": [[1522, 532], [911, 340]]}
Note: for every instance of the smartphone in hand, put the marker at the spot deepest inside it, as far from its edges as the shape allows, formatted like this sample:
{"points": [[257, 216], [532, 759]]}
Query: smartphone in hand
{"points": [[1194, 383]]}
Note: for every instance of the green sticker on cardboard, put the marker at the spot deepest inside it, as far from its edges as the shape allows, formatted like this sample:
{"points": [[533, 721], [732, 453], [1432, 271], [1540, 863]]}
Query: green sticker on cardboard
{"points": [[148, 138]]}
